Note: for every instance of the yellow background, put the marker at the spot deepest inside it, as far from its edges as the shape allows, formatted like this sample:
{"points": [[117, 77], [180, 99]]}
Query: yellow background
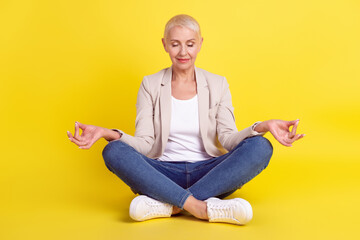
{"points": [[66, 61]]}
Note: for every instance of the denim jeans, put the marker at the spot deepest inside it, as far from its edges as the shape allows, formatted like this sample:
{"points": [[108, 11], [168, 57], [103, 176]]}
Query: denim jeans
{"points": [[174, 182]]}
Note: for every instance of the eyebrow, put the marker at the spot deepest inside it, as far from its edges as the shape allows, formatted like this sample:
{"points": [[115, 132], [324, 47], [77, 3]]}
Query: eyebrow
{"points": [[175, 40]]}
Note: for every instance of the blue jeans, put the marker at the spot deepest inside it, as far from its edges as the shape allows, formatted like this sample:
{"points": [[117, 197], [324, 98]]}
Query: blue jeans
{"points": [[174, 182]]}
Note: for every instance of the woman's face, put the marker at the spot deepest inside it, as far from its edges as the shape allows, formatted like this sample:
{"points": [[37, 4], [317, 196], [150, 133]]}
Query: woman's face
{"points": [[183, 45]]}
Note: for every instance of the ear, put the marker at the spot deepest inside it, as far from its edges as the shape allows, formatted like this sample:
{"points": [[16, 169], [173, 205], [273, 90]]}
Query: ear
{"points": [[164, 44], [201, 41]]}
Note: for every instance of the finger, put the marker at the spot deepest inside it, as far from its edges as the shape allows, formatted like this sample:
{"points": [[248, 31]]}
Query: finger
{"points": [[298, 136], [293, 131], [288, 140], [77, 142], [87, 146], [76, 135], [285, 143], [280, 140], [74, 141], [290, 123], [81, 125], [71, 138], [68, 133]]}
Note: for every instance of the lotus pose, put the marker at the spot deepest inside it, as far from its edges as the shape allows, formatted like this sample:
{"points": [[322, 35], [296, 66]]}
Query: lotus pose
{"points": [[187, 153]]}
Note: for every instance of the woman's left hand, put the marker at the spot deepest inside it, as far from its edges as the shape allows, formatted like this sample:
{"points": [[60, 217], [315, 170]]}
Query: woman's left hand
{"points": [[280, 130]]}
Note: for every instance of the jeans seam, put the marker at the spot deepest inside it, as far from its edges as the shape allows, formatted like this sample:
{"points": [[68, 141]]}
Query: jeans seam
{"points": [[187, 175]]}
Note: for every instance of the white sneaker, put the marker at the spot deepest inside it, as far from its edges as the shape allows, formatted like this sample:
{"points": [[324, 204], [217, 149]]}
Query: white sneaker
{"points": [[143, 208], [236, 211]]}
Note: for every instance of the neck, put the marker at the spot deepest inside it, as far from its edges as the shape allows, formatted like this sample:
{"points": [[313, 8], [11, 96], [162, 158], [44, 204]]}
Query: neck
{"points": [[183, 75]]}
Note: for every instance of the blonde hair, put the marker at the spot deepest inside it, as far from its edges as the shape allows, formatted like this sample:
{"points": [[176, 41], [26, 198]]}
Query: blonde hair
{"points": [[182, 20]]}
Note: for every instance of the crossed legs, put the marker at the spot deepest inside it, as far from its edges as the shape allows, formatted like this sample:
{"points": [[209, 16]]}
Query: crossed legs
{"points": [[230, 171]]}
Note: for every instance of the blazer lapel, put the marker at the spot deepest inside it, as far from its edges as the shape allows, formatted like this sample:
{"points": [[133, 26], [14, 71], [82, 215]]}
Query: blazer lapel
{"points": [[165, 104], [203, 97]]}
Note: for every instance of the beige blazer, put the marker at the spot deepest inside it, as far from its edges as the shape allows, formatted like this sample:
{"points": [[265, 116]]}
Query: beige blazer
{"points": [[216, 115]]}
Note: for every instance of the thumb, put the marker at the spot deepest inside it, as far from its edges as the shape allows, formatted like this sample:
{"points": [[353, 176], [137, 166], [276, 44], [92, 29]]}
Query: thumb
{"points": [[82, 126], [292, 122]]}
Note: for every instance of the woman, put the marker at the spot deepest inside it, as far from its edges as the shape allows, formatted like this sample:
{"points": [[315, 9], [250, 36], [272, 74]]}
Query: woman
{"points": [[187, 152]]}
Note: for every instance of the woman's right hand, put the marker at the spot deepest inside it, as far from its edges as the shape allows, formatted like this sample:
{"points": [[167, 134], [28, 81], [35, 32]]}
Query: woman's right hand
{"points": [[90, 134]]}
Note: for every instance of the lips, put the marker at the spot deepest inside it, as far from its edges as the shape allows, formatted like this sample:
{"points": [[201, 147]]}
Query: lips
{"points": [[183, 60]]}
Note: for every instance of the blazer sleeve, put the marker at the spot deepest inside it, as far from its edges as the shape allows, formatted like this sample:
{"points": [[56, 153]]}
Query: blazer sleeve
{"points": [[228, 135], [144, 127]]}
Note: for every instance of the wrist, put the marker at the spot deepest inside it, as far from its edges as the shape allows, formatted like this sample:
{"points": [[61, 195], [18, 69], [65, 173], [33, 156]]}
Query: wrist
{"points": [[103, 132], [110, 134], [262, 127]]}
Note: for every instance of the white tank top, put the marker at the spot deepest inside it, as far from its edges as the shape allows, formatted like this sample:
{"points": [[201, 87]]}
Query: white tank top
{"points": [[184, 142]]}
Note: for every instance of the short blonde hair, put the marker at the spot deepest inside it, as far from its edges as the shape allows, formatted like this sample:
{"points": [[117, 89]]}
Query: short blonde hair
{"points": [[182, 20]]}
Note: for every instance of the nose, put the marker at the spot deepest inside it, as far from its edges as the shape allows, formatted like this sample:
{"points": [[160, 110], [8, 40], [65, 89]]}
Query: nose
{"points": [[183, 51]]}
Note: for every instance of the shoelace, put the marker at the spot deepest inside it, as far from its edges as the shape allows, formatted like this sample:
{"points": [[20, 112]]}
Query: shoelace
{"points": [[222, 211], [157, 208]]}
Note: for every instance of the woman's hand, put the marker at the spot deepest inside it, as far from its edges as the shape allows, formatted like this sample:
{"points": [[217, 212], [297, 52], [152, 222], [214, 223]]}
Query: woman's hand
{"points": [[280, 130], [90, 134]]}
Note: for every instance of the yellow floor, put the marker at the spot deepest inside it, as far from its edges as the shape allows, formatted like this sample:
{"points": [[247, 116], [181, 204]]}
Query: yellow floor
{"points": [[291, 199]]}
